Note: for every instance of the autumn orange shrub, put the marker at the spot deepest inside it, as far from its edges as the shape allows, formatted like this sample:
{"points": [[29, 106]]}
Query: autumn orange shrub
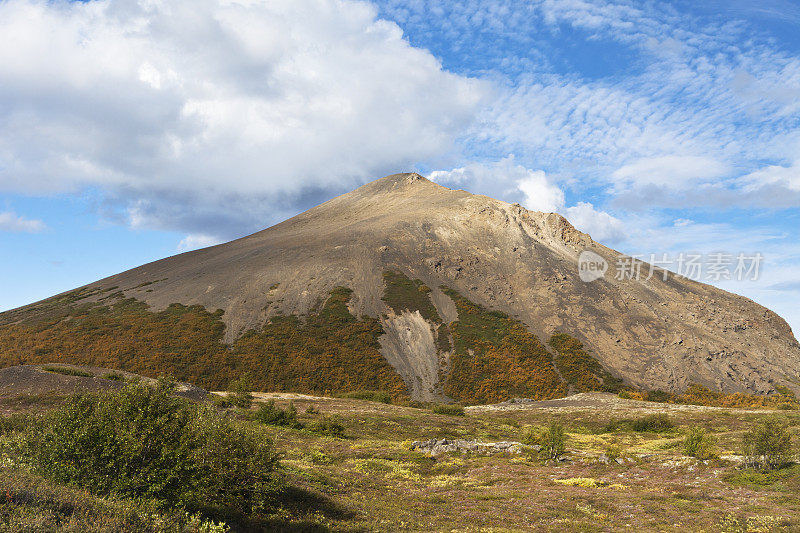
{"points": [[496, 358], [330, 351], [583, 372]]}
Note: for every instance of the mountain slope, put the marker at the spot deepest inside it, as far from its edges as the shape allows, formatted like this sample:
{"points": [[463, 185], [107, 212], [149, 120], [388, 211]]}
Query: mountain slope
{"points": [[472, 256]]}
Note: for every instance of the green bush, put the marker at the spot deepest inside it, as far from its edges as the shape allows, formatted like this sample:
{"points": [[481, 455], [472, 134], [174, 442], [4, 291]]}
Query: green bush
{"points": [[240, 391], [657, 396], [143, 442], [613, 451], [656, 423], [767, 445], [269, 414], [67, 371], [371, 395], [328, 426], [223, 402], [33, 504], [699, 444], [113, 376], [448, 409], [551, 440], [14, 423]]}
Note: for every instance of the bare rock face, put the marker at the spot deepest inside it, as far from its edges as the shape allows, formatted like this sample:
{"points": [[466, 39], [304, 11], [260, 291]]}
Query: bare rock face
{"points": [[654, 334]]}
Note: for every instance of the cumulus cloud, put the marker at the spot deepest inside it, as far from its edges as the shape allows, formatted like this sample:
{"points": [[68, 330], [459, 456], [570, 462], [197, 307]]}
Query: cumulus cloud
{"points": [[602, 226], [206, 114], [537, 192], [10, 221]]}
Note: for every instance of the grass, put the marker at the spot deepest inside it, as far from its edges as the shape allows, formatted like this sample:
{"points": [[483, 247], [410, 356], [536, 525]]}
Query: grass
{"points": [[369, 395], [67, 371], [448, 409], [372, 481]]}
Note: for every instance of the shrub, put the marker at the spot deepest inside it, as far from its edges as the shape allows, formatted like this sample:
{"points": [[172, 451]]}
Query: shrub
{"points": [[223, 402], [311, 410], [767, 445], [328, 426], [657, 396], [550, 440], [268, 414], [370, 395], [240, 391], [451, 409], [232, 463], [113, 376], [582, 371], [614, 425], [67, 371], [496, 357], [656, 423], [142, 442], [699, 444], [613, 451], [14, 423]]}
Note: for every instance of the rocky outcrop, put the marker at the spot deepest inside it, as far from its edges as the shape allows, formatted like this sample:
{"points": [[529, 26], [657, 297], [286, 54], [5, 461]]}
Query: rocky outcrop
{"points": [[440, 446]]}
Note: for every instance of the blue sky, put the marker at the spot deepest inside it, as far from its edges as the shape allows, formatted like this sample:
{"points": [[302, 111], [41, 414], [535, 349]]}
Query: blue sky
{"points": [[132, 130]]}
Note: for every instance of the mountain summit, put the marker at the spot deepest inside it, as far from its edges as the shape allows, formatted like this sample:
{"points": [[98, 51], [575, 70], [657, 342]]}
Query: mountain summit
{"points": [[411, 287]]}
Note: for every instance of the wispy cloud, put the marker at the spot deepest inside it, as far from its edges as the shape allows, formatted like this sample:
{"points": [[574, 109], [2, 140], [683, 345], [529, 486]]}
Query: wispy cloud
{"points": [[10, 221]]}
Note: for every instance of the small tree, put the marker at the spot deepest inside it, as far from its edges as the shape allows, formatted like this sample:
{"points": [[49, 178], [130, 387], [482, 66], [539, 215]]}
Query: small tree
{"points": [[767, 445], [551, 440], [240, 389], [699, 444]]}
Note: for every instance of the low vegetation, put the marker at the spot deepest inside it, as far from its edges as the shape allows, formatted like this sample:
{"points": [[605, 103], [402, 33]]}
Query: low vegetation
{"points": [[348, 465], [268, 413], [495, 358], [582, 372], [325, 352], [67, 371], [404, 294], [550, 440], [448, 409], [697, 394], [657, 423], [699, 444], [767, 445], [369, 395]]}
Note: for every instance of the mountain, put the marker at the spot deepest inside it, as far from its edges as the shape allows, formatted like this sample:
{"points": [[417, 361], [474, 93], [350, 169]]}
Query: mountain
{"points": [[419, 290]]}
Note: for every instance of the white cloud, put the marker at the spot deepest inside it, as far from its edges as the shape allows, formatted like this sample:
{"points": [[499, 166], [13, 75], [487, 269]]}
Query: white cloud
{"points": [[195, 241], [787, 177], [10, 221], [538, 193], [600, 225], [668, 172], [222, 109]]}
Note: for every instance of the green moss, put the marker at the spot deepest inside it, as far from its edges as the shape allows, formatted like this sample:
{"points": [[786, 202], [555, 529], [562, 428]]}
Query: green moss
{"points": [[404, 294], [583, 372]]}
